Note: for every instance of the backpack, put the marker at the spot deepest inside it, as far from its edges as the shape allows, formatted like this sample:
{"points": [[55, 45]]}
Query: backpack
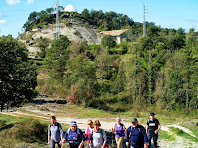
{"points": [[101, 130], [56, 125], [78, 131]]}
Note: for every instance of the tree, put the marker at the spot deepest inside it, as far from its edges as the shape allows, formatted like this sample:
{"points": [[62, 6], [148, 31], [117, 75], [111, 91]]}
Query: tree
{"points": [[43, 43], [17, 74], [57, 57], [108, 41], [81, 74], [85, 14]]}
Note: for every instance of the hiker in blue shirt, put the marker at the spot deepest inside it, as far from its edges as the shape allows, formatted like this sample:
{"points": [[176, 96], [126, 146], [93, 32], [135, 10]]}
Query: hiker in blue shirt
{"points": [[55, 133], [74, 136], [136, 135], [152, 129]]}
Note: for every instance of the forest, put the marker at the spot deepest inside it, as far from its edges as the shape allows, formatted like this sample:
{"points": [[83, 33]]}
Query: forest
{"points": [[158, 70]]}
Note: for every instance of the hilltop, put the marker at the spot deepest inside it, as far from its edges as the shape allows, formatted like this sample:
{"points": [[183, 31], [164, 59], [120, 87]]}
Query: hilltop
{"points": [[75, 29]]}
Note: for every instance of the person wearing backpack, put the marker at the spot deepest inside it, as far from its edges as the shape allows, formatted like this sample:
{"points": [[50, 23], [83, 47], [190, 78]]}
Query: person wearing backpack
{"points": [[55, 133], [119, 130], [98, 136], [152, 129], [136, 135], [88, 131], [74, 136]]}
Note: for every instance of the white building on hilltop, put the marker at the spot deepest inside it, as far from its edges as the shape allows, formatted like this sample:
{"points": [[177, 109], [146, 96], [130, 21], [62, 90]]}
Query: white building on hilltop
{"points": [[69, 8]]}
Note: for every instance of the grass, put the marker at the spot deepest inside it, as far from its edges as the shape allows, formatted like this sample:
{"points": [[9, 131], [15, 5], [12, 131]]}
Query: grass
{"points": [[183, 134], [24, 132], [193, 128], [166, 135]]}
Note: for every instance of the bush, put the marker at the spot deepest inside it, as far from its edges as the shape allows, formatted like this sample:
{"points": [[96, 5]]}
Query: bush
{"points": [[30, 131]]}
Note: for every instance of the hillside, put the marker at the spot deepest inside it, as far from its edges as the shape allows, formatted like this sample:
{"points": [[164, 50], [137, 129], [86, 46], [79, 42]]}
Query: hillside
{"points": [[75, 29]]}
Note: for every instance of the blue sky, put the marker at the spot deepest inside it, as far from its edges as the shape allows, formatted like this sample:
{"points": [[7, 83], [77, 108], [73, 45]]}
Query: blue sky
{"points": [[164, 13]]}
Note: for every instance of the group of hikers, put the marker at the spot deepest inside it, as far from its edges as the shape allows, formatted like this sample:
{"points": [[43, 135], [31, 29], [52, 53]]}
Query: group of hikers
{"points": [[136, 135]]}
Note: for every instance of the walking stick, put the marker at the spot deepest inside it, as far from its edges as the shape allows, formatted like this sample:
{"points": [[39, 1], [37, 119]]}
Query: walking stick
{"points": [[112, 141]]}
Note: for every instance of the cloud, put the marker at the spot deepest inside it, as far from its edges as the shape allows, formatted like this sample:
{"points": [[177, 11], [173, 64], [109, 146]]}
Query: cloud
{"points": [[30, 1], [13, 2], [2, 21]]}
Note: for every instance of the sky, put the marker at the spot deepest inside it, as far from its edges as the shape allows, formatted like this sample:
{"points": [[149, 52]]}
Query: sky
{"points": [[164, 13]]}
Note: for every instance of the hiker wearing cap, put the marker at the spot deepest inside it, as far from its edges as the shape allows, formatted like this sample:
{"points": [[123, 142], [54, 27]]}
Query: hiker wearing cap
{"points": [[55, 133], [88, 131], [74, 136], [119, 130], [98, 136], [152, 129], [136, 135]]}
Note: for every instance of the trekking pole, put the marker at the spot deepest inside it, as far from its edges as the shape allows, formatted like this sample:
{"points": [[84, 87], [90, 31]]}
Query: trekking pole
{"points": [[112, 140]]}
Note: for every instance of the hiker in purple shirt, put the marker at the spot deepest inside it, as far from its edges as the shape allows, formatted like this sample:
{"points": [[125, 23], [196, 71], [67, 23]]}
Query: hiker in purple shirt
{"points": [[119, 130]]}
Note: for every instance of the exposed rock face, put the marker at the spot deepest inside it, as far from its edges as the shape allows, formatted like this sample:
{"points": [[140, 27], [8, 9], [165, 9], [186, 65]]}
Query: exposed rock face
{"points": [[74, 29]]}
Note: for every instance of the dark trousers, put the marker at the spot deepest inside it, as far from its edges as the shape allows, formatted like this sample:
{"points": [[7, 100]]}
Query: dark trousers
{"points": [[53, 144], [155, 137]]}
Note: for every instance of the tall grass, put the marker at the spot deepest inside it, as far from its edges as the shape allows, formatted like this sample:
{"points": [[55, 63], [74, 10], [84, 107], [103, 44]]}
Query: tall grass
{"points": [[183, 134]]}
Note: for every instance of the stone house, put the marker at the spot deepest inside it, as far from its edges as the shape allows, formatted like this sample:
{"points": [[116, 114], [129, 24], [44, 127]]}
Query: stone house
{"points": [[116, 33]]}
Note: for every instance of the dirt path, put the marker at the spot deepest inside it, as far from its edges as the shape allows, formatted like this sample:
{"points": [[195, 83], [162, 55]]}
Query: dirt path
{"points": [[82, 123]]}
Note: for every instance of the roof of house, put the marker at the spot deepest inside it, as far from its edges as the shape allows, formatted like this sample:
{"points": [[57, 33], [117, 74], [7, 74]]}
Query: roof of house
{"points": [[114, 32]]}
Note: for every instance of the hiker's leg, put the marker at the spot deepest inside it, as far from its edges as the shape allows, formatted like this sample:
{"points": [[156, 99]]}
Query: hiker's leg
{"points": [[149, 139], [116, 140], [52, 143], [155, 137], [119, 142]]}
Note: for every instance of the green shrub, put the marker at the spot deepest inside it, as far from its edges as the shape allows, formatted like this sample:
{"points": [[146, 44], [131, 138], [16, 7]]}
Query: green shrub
{"points": [[30, 131]]}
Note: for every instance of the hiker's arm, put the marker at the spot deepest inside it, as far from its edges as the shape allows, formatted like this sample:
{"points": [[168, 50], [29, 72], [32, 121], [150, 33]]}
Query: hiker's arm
{"points": [[127, 140], [105, 139], [61, 131], [147, 129], [49, 138], [81, 144], [146, 142], [145, 145], [103, 144], [113, 129], [124, 128], [85, 134], [158, 129], [89, 141], [83, 139], [49, 134], [65, 137]]}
